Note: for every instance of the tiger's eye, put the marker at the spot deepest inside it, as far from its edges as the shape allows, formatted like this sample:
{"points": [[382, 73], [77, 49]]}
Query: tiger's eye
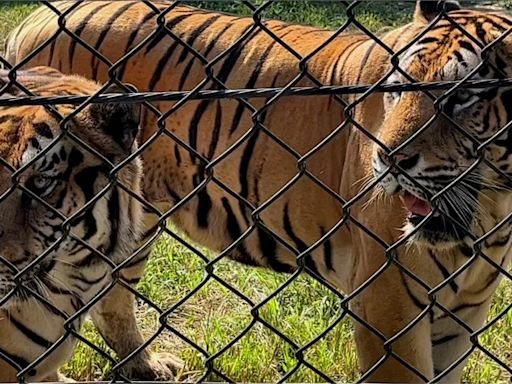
{"points": [[40, 182]]}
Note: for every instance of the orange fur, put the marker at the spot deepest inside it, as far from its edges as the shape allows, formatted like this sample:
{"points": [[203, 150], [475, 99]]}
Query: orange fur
{"points": [[258, 169]]}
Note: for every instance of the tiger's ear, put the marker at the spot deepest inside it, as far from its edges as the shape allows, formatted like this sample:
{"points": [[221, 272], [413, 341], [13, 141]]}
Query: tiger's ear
{"points": [[119, 120], [427, 10], [4, 80]]}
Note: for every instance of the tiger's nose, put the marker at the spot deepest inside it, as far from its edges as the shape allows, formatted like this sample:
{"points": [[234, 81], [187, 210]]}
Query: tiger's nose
{"points": [[403, 160]]}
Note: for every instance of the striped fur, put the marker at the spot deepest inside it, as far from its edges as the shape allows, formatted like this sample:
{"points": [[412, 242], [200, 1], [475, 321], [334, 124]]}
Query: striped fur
{"points": [[259, 167], [66, 177]]}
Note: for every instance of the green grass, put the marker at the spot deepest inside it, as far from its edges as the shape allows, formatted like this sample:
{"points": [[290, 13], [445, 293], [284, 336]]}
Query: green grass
{"points": [[507, 4], [11, 14], [328, 14], [214, 315]]}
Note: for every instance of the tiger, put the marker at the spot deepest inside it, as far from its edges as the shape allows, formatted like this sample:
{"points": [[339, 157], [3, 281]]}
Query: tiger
{"points": [[64, 226], [219, 171]]}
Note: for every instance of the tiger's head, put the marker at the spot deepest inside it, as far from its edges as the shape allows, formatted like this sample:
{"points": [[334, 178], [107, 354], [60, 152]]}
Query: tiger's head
{"points": [[429, 151], [61, 218]]}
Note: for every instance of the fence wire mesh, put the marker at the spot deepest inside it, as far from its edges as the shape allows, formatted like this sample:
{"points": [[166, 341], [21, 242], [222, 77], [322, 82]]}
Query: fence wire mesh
{"points": [[163, 298]]}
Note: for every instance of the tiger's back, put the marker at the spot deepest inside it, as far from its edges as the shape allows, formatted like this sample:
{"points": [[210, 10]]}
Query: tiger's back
{"points": [[256, 168]]}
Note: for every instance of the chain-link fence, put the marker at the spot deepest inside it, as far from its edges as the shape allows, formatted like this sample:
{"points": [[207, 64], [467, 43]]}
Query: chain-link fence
{"points": [[257, 140]]}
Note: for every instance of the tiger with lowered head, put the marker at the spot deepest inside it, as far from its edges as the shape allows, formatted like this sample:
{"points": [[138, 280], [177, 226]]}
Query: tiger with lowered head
{"points": [[441, 233], [60, 268]]}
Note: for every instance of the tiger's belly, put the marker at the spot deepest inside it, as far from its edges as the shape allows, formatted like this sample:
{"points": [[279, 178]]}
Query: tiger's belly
{"points": [[248, 217]]}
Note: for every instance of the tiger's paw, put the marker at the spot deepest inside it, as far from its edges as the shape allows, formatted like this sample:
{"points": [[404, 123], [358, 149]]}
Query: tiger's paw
{"points": [[64, 379], [158, 366], [58, 377]]}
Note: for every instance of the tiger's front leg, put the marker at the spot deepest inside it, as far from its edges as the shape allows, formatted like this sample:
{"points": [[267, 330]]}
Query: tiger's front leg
{"points": [[450, 341], [388, 309], [114, 317]]}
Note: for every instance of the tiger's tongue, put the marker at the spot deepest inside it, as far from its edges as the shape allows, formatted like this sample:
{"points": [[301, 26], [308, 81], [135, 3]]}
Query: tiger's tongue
{"points": [[416, 206]]}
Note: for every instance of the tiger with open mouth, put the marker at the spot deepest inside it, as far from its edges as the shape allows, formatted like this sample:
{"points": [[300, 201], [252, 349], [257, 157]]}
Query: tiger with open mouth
{"points": [[351, 242]]}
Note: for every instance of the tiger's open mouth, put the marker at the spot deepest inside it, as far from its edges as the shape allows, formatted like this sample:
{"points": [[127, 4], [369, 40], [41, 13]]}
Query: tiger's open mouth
{"points": [[437, 228], [416, 206]]}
